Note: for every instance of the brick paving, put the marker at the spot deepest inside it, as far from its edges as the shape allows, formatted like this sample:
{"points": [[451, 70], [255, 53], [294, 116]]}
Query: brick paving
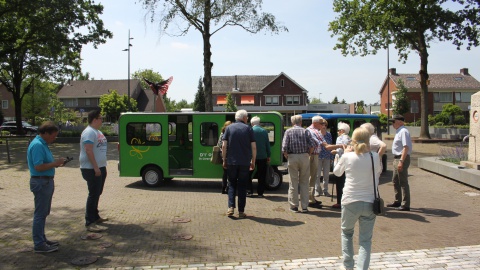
{"points": [[441, 231]]}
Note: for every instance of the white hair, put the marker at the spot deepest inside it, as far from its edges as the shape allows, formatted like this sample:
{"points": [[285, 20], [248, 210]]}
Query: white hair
{"points": [[240, 114], [344, 126], [296, 119], [369, 127], [255, 121], [317, 119]]}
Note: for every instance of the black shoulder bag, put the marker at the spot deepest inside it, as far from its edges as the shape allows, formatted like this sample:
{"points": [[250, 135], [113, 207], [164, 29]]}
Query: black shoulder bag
{"points": [[378, 204]]}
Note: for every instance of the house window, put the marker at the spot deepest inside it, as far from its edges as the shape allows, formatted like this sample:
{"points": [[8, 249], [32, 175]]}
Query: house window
{"points": [[411, 79], [282, 83], [209, 133], [443, 97], [87, 102], [247, 100], [293, 100], [4, 104], [221, 100], [463, 97], [271, 100], [458, 78], [70, 102]]}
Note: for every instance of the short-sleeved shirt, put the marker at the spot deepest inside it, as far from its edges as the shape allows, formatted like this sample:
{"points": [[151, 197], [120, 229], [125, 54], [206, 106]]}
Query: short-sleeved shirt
{"points": [[343, 139], [297, 140], [99, 142], [325, 154], [402, 138], [263, 143], [38, 153], [375, 143], [318, 138], [239, 137]]}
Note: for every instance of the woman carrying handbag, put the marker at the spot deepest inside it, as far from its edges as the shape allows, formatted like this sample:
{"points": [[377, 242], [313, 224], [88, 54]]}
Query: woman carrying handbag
{"points": [[358, 197]]}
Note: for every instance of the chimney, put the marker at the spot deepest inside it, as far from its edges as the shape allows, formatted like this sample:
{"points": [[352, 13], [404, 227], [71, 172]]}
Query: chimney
{"points": [[236, 86], [392, 71], [464, 71]]}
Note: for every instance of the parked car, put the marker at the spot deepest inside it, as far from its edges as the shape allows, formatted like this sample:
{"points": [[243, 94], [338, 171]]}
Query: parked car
{"points": [[11, 126]]}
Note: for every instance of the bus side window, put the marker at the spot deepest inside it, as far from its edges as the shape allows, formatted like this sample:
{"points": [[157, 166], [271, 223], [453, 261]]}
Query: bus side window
{"points": [[208, 133], [144, 134], [153, 133], [270, 128], [357, 123]]}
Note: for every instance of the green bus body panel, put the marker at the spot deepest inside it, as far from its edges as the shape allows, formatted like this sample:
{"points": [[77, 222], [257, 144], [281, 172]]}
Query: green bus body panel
{"points": [[132, 158], [168, 155]]}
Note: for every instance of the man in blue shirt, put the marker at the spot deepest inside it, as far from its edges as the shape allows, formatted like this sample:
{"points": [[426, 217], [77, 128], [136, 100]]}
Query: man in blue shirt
{"points": [[239, 152], [42, 171], [401, 150]]}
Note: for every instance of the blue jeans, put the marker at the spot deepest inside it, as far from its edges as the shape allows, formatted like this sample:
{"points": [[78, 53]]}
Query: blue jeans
{"points": [[363, 212], [95, 189], [42, 189], [238, 176]]}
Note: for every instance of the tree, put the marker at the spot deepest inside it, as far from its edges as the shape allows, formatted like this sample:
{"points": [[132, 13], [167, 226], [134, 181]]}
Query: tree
{"points": [[360, 107], [42, 40], [39, 102], [202, 14], [335, 100], [366, 26], [315, 101], [401, 103], [199, 102], [230, 104], [112, 105]]}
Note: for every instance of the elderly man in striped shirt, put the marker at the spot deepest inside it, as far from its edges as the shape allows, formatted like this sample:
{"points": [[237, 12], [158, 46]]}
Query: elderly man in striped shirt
{"points": [[297, 146], [314, 129]]}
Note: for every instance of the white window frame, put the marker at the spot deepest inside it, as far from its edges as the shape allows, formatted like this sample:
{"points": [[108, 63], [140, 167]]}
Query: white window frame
{"points": [[4, 104], [294, 100], [465, 97], [272, 100]]}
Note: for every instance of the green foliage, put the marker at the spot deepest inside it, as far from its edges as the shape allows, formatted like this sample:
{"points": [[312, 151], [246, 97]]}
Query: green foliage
{"points": [[335, 100], [360, 107], [199, 102], [367, 26], [451, 109], [148, 74], [112, 105], [230, 105], [401, 103], [208, 18], [315, 101], [459, 120], [43, 39]]}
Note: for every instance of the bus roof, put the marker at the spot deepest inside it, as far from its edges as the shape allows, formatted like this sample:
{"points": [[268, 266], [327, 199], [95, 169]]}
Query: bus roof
{"points": [[339, 115]]}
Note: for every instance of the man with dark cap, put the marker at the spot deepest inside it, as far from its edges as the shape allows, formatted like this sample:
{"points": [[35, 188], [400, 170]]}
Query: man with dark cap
{"points": [[401, 149]]}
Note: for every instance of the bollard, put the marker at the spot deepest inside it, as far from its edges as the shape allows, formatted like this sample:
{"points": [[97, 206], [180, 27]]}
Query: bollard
{"points": [[8, 151]]}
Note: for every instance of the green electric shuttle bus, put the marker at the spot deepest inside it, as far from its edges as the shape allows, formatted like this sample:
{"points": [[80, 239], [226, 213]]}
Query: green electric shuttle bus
{"points": [[163, 146]]}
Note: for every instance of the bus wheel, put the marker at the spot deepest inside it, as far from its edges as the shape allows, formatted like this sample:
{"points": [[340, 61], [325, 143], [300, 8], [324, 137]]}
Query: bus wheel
{"points": [[276, 180], [152, 176]]}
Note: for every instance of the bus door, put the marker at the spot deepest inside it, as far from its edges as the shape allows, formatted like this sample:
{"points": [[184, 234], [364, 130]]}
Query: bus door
{"points": [[206, 132], [180, 145]]}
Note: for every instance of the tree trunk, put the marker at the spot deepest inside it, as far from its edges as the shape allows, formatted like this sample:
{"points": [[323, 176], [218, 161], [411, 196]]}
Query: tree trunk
{"points": [[424, 133], [207, 56]]}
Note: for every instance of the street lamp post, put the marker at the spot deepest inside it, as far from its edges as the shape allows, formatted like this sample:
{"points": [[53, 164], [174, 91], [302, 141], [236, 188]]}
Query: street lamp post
{"points": [[128, 81]]}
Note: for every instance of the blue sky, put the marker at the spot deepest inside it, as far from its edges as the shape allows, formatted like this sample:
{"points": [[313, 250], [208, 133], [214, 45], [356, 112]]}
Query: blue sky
{"points": [[305, 53]]}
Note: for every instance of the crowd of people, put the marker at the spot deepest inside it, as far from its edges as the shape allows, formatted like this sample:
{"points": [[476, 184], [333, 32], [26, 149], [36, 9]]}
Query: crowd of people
{"points": [[309, 153]]}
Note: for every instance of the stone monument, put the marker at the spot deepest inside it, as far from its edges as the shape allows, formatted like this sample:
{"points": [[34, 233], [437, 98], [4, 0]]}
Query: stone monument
{"points": [[474, 134]]}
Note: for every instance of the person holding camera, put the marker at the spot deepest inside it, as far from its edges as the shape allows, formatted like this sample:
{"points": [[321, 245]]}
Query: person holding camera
{"points": [[42, 172]]}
